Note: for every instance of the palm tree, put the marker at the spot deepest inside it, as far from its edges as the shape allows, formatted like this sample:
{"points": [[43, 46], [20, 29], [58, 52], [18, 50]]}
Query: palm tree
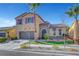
{"points": [[74, 12], [32, 7]]}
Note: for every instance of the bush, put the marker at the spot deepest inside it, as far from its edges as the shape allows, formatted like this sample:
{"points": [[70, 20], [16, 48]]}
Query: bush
{"points": [[69, 41], [14, 38], [2, 40], [46, 36], [24, 45], [55, 46]]}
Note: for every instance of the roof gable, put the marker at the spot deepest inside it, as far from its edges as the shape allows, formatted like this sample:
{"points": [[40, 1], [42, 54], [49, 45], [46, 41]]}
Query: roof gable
{"points": [[22, 15]]}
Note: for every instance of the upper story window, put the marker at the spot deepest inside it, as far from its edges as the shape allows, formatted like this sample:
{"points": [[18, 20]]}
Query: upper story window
{"points": [[19, 21], [60, 32], [29, 20]]}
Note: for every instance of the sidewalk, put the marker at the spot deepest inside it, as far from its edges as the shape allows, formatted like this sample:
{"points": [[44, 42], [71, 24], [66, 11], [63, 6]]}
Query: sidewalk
{"points": [[41, 48], [52, 46], [50, 51]]}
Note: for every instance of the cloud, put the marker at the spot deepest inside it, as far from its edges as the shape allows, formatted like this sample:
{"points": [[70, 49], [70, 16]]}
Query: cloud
{"points": [[7, 22]]}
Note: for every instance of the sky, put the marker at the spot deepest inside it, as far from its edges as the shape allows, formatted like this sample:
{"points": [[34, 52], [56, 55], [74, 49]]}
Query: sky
{"points": [[51, 12]]}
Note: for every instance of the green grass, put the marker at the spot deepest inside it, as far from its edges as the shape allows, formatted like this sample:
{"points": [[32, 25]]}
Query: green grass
{"points": [[2, 39], [53, 42]]}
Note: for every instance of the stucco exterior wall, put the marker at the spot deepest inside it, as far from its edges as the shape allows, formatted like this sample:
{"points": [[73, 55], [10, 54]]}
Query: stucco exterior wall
{"points": [[30, 27], [51, 31], [12, 33]]}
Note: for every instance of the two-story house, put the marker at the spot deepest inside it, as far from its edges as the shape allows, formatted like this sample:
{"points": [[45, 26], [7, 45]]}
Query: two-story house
{"points": [[32, 26], [27, 26]]}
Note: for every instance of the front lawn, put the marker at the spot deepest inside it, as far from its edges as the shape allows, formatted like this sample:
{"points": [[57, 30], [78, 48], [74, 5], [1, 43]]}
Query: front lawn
{"points": [[3, 39], [54, 42]]}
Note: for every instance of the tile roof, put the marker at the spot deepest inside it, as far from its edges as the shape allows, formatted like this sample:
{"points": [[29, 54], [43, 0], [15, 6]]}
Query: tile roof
{"points": [[53, 25], [57, 25], [6, 28]]}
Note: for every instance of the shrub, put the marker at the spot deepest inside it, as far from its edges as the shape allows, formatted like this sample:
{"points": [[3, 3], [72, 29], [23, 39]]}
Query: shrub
{"points": [[24, 45], [69, 41], [14, 38], [55, 46], [46, 36], [2, 39], [35, 43]]}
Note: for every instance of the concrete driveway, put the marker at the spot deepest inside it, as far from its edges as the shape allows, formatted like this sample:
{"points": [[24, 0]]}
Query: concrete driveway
{"points": [[12, 44]]}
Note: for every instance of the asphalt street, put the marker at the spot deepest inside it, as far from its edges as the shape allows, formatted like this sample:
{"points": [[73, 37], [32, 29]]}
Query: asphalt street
{"points": [[29, 52], [18, 53]]}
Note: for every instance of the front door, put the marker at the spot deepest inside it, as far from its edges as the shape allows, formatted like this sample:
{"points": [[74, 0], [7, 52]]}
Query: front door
{"points": [[43, 33]]}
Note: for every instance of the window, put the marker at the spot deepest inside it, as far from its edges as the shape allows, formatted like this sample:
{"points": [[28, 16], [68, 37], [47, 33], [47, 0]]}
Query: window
{"points": [[60, 31], [29, 20], [2, 34], [19, 21], [26, 21]]}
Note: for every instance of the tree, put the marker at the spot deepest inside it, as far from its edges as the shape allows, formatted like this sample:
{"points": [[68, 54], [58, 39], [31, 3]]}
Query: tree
{"points": [[74, 12], [33, 6]]}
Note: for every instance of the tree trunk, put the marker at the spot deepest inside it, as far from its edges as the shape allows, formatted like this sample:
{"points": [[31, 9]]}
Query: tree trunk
{"points": [[35, 22]]}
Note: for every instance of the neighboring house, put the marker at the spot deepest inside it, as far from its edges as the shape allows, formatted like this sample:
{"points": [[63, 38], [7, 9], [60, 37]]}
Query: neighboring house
{"points": [[3, 32], [29, 26], [8, 32], [71, 30]]}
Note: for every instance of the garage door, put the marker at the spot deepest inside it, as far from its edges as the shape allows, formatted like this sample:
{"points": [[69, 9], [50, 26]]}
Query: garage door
{"points": [[26, 35]]}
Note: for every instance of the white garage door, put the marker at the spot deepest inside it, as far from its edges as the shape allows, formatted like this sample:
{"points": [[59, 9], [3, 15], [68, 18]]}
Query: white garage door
{"points": [[26, 35]]}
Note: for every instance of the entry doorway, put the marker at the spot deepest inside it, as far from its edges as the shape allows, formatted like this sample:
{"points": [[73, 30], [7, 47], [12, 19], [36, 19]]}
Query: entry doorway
{"points": [[43, 33]]}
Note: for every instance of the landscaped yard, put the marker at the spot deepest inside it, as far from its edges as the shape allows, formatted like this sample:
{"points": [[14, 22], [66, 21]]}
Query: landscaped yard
{"points": [[54, 42], [50, 45]]}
